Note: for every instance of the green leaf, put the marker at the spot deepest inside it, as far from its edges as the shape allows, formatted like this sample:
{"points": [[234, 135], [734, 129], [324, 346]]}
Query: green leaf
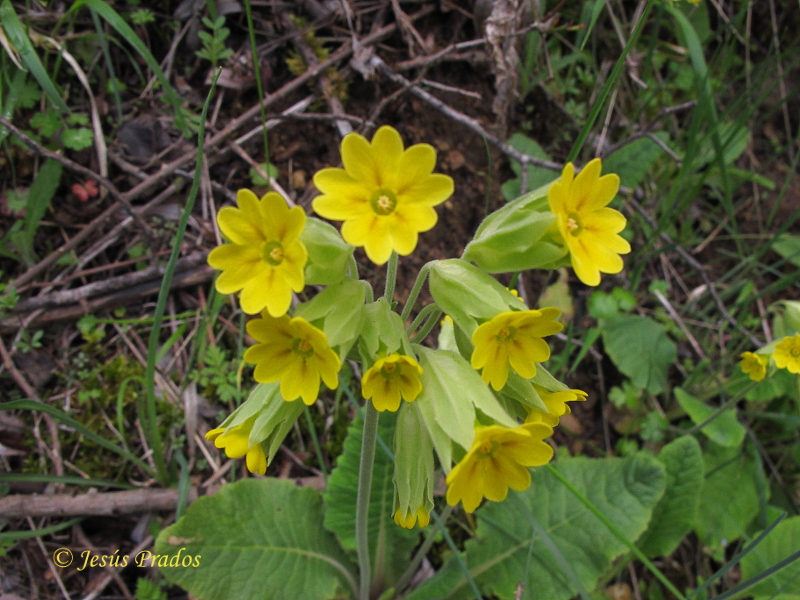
{"points": [[788, 246], [730, 496], [778, 545], [47, 122], [725, 430], [675, 513], [390, 546], [634, 161], [256, 539], [268, 168], [500, 556], [19, 40], [77, 139], [640, 349], [537, 176]]}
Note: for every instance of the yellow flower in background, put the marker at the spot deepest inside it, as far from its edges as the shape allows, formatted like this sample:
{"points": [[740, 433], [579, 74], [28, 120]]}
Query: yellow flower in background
{"points": [[421, 517], [265, 259], [294, 352], [513, 338], [236, 443], [556, 403], [754, 365], [589, 228], [389, 379], [385, 195], [498, 460], [787, 354]]}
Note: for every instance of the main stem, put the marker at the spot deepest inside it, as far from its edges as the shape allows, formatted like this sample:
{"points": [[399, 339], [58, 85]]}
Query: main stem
{"points": [[368, 439], [362, 501]]}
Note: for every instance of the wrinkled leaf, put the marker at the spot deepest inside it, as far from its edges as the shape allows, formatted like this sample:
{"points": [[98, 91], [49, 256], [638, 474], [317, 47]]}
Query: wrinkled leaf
{"points": [[640, 349], [675, 513], [257, 539]]}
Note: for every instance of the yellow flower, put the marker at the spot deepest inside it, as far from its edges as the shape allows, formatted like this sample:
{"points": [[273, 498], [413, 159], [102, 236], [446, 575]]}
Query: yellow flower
{"points": [[294, 352], [588, 226], [754, 365], [787, 354], [498, 460], [408, 521], [515, 338], [556, 403], [385, 195], [265, 259], [389, 378], [236, 443]]}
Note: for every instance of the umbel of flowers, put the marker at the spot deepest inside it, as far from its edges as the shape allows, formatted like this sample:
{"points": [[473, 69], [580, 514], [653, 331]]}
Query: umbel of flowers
{"points": [[480, 405]]}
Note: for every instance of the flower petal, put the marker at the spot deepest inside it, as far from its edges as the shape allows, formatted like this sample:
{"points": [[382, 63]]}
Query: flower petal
{"points": [[416, 163], [430, 190], [240, 228], [358, 160], [387, 149]]}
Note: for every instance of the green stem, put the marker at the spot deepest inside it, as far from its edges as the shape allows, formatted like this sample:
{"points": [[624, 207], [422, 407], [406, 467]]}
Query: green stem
{"points": [[421, 317], [391, 277], [259, 86], [412, 297], [150, 418], [617, 533], [362, 500], [429, 324], [317, 448]]}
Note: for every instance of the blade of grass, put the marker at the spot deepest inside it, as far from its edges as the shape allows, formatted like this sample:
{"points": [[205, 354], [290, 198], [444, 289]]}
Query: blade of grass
{"points": [[259, 86], [150, 417], [41, 193], [13, 536], [101, 36], [81, 429], [114, 19], [609, 84], [597, 8], [706, 104], [20, 40], [67, 479], [732, 562], [735, 590]]}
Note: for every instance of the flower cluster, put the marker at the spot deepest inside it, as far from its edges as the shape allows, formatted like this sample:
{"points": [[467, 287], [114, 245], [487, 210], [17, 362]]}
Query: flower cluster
{"points": [[482, 402], [784, 353]]}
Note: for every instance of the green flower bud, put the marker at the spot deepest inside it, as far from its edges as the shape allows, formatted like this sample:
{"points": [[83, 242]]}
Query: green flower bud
{"points": [[265, 419], [517, 237], [413, 469], [328, 253], [469, 295], [382, 333]]}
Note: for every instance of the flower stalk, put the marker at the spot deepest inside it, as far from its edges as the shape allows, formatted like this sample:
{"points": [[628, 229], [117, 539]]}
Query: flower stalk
{"points": [[368, 439]]}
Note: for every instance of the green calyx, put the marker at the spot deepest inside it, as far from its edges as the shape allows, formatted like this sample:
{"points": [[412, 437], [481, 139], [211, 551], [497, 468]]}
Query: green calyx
{"points": [[273, 253], [383, 202]]}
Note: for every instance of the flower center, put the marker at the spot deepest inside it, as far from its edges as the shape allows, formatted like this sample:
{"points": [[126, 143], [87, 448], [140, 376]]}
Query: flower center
{"points": [[383, 202], [574, 225], [795, 351], [390, 370], [302, 347], [273, 253], [506, 334], [488, 448]]}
